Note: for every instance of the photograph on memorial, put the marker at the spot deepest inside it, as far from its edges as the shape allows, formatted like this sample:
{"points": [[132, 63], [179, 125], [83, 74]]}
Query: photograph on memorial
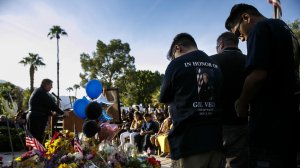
{"points": [[112, 95]]}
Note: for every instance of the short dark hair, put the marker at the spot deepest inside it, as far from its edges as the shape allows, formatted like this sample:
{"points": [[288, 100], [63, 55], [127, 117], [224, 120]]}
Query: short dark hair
{"points": [[229, 38], [147, 115], [46, 82], [137, 113], [236, 11], [183, 39]]}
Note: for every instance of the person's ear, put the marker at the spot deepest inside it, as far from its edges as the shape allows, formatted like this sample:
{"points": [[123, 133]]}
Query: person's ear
{"points": [[177, 47], [222, 44], [246, 17]]}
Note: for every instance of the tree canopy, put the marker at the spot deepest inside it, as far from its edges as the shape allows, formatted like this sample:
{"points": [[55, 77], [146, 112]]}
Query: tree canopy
{"points": [[56, 32], [108, 63], [295, 27], [11, 98], [34, 61], [76, 87], [137, 87]]}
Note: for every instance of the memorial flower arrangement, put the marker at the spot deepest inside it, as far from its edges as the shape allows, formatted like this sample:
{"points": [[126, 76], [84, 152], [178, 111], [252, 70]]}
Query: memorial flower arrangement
{"points": [[67, 150], [60, 153]]}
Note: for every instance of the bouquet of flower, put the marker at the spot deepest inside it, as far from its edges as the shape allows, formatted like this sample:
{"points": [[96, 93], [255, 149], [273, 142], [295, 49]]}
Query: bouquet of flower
{"points": [[60, 153], [111, 156]]}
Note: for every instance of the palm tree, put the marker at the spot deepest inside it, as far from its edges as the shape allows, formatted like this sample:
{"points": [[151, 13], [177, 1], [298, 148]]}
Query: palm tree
{"points": [[69, 89], [76, 87], [34, 61], [56, 32]]}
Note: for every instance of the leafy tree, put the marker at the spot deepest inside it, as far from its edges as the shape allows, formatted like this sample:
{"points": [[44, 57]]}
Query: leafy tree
{"points": [[138, 86], [34, 61], [295, 26], [26, 96], [56, 32], [76, 87], [11, 94], [11, 97], [108, 63], [155, 98]]}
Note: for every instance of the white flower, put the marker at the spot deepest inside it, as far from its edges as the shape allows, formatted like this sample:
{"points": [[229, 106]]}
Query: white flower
{"points": [[109, 149], [70, 155], [78, 155], [101, 146]]}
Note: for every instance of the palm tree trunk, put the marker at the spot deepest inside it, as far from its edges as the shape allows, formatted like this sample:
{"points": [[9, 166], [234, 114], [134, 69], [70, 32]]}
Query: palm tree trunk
{"points": [[31, 75], [70, 98], [55, 118], [58, 71], [75, 94]]}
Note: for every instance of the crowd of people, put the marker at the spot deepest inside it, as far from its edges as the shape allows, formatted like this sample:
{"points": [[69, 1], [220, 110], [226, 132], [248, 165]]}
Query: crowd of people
{"points": [[147, 130]]}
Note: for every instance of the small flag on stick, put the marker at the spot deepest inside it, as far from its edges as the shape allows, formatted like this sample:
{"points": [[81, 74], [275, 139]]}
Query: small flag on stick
{"points": [[277, 8], [77, 146], [35, 144]]}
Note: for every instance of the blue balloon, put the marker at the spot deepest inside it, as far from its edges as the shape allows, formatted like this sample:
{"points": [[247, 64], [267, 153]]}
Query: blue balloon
{"points": [[85, 99], [93, 88], [79, 107]]}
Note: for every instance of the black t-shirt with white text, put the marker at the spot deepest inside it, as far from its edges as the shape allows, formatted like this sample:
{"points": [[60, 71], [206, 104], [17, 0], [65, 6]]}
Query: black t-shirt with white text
{"points": [[191, 87]]}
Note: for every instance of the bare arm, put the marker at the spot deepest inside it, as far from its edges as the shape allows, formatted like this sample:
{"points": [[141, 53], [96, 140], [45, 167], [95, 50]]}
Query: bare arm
{"points": [[252, 85], [132, 125]]}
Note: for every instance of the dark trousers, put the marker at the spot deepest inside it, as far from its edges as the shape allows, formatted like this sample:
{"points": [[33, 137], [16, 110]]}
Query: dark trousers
{"points": [[147, 143], [271, 158], [143, 142], [37, 125], [235, 142]]}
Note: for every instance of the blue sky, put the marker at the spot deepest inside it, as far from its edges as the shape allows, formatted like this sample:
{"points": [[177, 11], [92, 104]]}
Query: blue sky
{"points": [[147, 25]]}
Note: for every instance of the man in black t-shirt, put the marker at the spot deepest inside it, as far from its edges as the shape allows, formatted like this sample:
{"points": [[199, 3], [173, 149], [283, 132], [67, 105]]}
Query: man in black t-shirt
{"points": [[269, 87], [196, 136], [231, 61]]}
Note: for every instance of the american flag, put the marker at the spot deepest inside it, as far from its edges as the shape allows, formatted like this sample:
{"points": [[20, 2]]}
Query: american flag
{"points": [[277, 8], [35, 144], [77, 146]]}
